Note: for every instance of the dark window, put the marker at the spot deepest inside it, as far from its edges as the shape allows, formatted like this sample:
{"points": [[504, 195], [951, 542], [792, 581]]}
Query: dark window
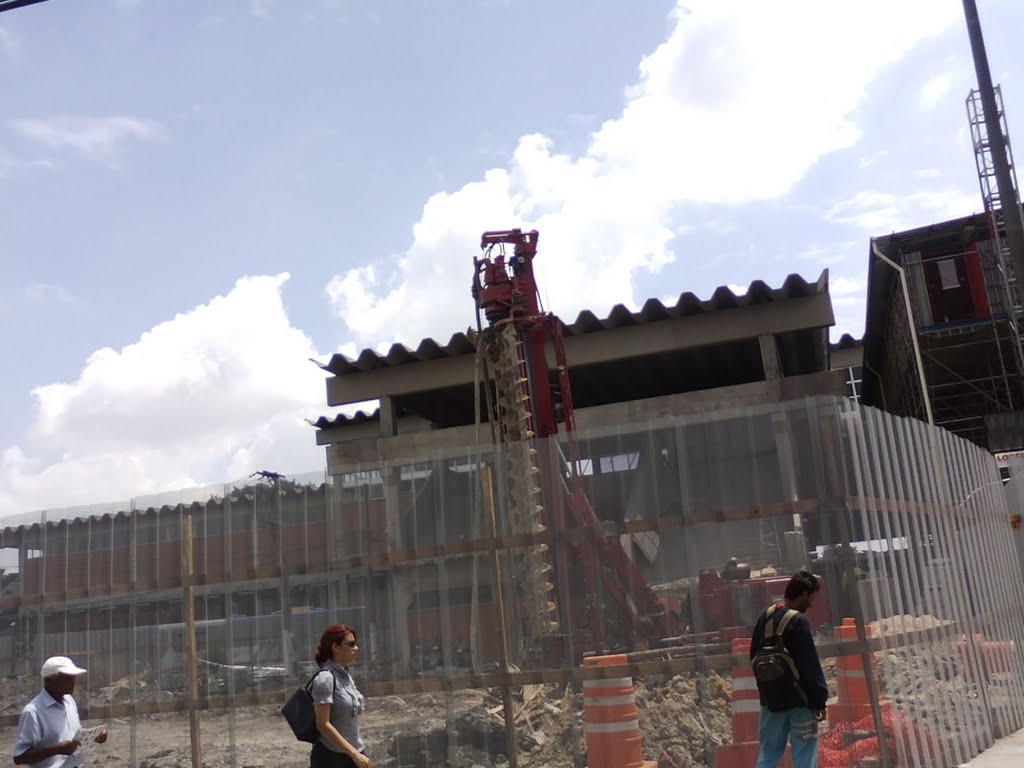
{"points": [[949, 292]]}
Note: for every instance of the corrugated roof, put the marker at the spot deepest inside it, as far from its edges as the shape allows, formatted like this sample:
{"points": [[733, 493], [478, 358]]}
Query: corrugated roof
{"points": [[63, 517], [846, 341], [653, 310], [359, 417]]}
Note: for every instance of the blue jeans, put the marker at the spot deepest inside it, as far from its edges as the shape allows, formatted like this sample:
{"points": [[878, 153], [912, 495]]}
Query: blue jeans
{"points": [[776, 729]]}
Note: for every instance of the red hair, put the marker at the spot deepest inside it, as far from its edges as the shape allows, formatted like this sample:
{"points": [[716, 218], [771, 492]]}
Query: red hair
{"points": [[331, 635]]}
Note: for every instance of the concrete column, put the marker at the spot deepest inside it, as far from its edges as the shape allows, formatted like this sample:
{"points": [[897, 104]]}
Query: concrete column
{"points": [[388, 417], [400, 599], [392, 503], [770, 357]]}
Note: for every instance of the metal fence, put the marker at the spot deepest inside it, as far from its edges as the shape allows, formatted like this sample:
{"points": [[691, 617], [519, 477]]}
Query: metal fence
{"points": [[477, 585]]}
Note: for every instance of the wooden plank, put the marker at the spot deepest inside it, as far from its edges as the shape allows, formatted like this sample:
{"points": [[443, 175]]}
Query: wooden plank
{"points": [[188, 608], [498, 596]]}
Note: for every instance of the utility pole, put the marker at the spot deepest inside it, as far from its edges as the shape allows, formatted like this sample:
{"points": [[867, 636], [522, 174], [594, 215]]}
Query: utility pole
{"points": [[1012, 220]]}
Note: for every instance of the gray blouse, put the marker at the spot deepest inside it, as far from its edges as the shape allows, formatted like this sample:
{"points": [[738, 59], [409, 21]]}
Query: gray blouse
{"points": [[334, 685]]}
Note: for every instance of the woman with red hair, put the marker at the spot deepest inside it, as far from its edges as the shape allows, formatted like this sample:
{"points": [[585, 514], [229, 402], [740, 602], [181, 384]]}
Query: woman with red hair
{"points": [[338, 703]]}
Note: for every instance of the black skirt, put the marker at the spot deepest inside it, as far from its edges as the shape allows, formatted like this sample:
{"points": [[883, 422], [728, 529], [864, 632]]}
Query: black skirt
{"points": [[322, 757]]}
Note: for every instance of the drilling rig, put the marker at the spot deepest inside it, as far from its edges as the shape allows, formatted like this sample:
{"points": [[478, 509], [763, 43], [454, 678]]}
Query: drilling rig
{"points": [[585, 579]]}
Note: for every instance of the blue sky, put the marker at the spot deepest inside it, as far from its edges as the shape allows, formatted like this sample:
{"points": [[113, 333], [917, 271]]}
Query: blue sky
{"points": [[199, 197]]}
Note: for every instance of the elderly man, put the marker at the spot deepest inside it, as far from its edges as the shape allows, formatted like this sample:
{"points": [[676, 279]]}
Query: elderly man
{"points": [[49, 729]]}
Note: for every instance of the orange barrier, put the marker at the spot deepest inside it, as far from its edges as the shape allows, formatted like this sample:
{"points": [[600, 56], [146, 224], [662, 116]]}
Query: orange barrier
{"points": [[854, 702], [610, 719], [746, 717], [996, 657]]}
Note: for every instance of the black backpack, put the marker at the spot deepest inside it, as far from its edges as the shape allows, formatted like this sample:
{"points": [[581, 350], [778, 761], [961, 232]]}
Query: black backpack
{"points": [[774, 669]]}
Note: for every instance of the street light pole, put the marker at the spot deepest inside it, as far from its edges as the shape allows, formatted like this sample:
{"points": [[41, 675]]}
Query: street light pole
{"points": [[1013, 223]]}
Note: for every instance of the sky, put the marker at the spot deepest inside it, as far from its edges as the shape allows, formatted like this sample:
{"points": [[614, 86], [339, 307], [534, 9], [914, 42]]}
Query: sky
{"points": [[197, 200]]}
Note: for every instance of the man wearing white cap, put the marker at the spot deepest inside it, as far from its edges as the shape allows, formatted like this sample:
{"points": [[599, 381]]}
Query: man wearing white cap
{"points": [[49, 728]]}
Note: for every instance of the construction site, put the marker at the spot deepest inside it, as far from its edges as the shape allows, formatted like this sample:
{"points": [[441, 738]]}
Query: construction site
{"points": [[553, 537], [502, 540]]}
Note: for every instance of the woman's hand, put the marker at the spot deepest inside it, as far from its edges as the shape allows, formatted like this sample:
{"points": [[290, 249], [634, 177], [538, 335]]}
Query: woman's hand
{"points": [[361, 760], [102, 736]]}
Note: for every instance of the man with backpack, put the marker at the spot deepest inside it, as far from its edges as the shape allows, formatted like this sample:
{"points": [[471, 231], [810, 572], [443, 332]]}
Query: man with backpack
{"points": [[789, 678]]}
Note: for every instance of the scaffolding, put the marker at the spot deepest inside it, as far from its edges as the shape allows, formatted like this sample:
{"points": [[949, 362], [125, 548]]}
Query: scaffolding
{"points": [[966, 311], [994, 208], [971, 364]]}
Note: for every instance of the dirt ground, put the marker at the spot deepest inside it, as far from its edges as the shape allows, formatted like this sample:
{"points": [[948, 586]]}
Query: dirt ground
{"points": [[681, 721]]}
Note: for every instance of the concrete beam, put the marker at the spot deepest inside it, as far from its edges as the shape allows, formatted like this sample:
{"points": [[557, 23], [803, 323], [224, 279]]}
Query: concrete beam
{"points": [[458, 441], [847, 358], [601, 347]]}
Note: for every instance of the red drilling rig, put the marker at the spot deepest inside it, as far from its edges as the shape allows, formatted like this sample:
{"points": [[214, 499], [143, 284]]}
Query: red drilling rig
{"points": [[605, 592]]}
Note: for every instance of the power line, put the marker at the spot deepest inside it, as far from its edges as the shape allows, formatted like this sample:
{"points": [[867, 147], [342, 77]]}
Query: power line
{"points": [[10, 5]]}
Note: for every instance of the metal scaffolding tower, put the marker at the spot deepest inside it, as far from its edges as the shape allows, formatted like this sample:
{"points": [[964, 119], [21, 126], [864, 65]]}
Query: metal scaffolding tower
{"points": [[996, 211]]}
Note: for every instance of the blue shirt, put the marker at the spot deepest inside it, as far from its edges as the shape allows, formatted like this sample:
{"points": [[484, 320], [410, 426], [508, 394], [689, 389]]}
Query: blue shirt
{"points": [[44, 723], [334, 685]]}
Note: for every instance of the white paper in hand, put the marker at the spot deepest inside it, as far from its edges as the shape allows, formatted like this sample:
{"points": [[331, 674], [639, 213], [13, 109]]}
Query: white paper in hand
{"points": [[87, 736]]}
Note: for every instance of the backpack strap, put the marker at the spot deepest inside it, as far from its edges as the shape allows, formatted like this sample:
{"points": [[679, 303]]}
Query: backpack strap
{"points": [[788, 617]]}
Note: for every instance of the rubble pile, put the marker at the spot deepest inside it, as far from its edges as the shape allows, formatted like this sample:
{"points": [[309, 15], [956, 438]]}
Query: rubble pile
{"points": [[146, 688], [15, 693], [895, 625], [928, 684], [685, 718]]}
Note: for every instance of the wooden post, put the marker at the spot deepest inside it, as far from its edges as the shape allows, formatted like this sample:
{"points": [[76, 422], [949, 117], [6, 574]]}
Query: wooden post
{"points": [[188, 611], [498, 596]]}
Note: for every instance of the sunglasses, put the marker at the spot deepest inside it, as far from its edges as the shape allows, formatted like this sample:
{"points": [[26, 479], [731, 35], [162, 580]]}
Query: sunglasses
{"points": [[348, 643]]}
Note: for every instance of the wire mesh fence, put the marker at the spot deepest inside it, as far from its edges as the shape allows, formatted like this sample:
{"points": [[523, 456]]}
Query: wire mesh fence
{"points": [[480, 578]]}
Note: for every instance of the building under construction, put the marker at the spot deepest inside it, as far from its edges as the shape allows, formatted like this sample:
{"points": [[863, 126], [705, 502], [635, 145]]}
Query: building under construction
{"points": [[943, 331], [964, 316]]}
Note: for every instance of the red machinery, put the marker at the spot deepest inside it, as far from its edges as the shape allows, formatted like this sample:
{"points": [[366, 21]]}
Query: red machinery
{"points": [[733, 602], [515, 344]]}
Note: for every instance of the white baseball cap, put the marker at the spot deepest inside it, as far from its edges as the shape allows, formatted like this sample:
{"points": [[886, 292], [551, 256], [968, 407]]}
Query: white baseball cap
{"points": [[60, 665]]}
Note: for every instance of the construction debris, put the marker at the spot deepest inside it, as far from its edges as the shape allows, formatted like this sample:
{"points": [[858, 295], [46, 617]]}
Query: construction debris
{"points": [[684, 719]]}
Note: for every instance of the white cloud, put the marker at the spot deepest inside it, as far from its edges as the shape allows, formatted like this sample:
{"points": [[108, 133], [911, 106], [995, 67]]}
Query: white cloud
{"points": [[827, 254], [8, 42], [98, 138], [48, 293], [215, 393], [872, 159], [260, 8], [847, 286], [878, 213], [934, 91], [714, 118]]}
